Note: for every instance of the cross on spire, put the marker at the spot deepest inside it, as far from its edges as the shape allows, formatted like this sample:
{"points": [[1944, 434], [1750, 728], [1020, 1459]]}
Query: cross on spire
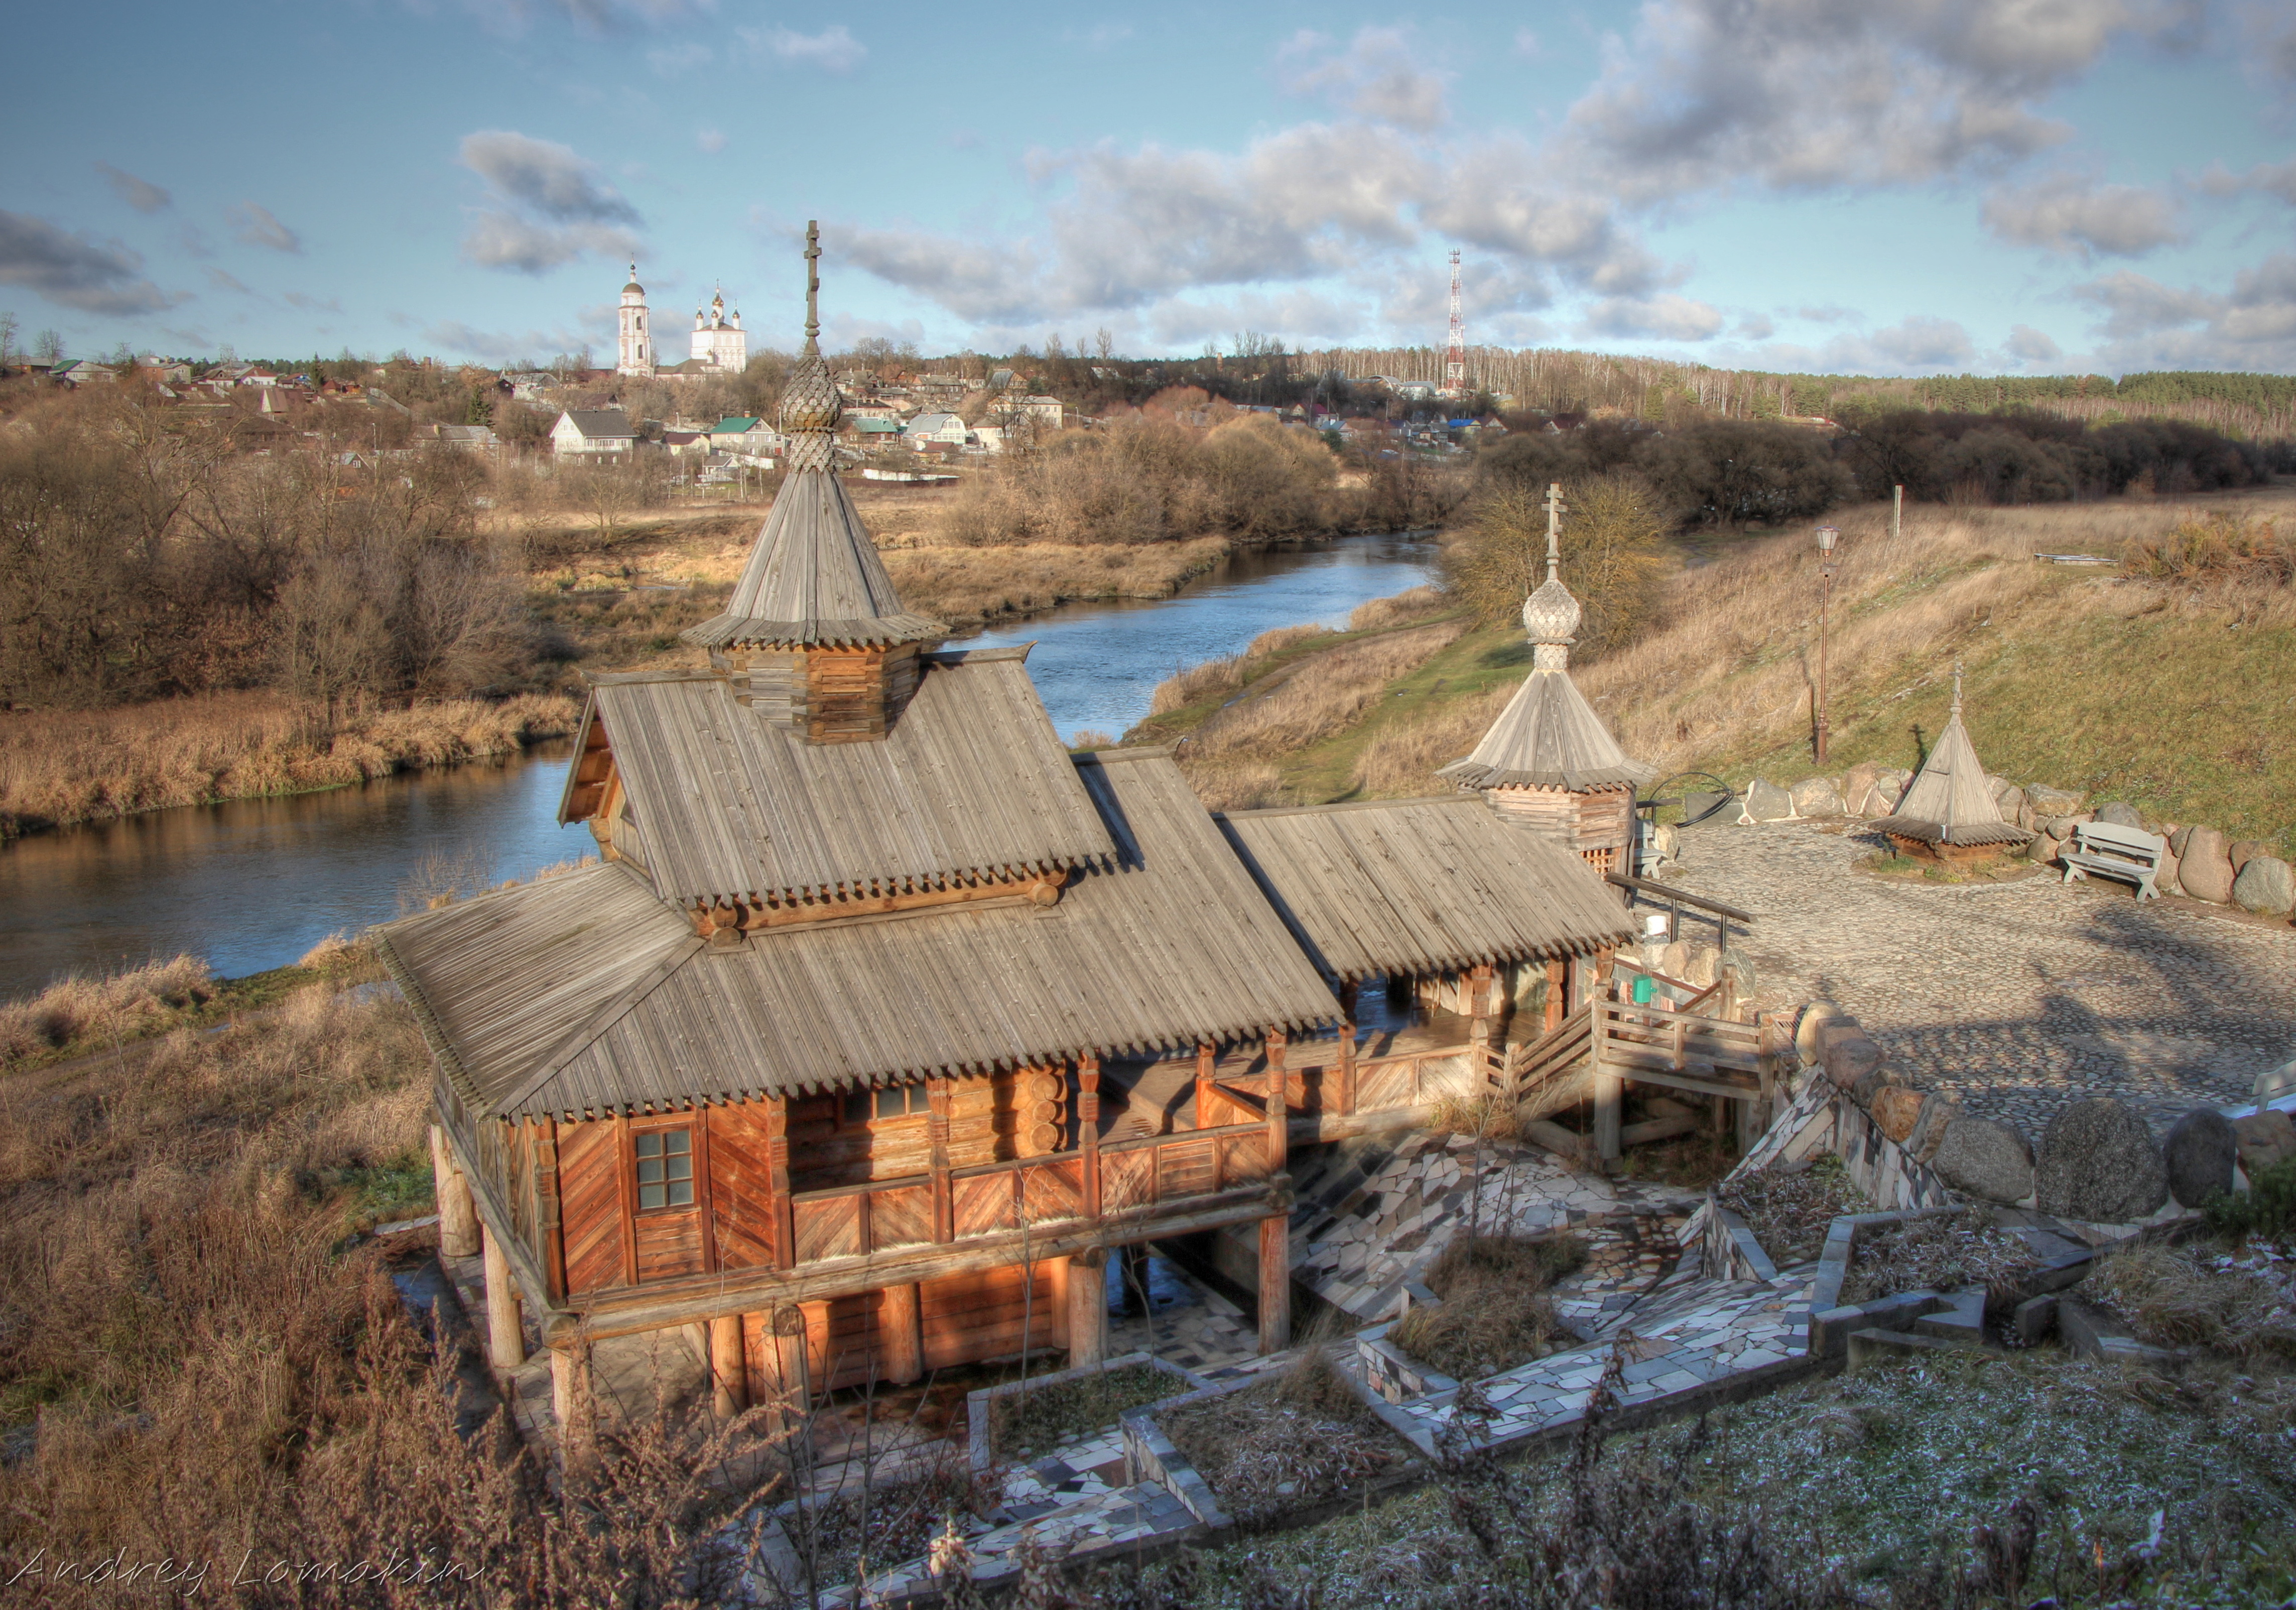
{"points": [[811, 282], [1554, 512]]}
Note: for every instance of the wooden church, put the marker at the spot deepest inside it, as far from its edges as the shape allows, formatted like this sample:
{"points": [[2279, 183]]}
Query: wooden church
{"points": [[885, 1017]]}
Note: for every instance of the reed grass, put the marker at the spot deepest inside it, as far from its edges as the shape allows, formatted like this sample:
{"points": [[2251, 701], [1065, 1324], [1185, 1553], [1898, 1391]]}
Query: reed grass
{"points": [[965, 586], [1318, 696], [60, 767]]}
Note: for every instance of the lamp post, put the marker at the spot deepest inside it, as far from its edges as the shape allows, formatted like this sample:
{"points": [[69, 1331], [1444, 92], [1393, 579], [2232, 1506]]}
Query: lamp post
{"points": [[1827, 536]]}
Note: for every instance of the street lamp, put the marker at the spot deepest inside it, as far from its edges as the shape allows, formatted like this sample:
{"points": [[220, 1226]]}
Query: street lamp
{"points": [[1827, 536]]}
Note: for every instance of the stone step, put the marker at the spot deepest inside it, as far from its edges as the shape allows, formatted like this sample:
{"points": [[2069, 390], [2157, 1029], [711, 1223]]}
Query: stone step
{"points": [[1961, 1320], [1874, 1346]]}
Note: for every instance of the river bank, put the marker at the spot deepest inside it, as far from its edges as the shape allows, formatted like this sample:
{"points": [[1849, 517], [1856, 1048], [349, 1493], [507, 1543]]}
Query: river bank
{"points": [[61, 767]]}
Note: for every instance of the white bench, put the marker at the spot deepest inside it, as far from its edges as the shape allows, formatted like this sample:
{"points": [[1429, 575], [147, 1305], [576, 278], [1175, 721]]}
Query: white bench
{"points": [[2131, 854]]}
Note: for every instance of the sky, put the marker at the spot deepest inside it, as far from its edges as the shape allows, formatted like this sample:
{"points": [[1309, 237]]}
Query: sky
{"points": [[1908, 187]]}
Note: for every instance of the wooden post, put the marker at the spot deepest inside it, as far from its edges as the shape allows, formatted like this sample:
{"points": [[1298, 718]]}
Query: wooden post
{"points": [[1056, 1276], [900, 1322], [1610, 1088], [777, 1181], [792, 1384], [1478, 1018], [1208, 1099], [1088, 1132], [1087, 1316], [1275, 1283], [729, 1382], [1279, 1104], [573, 1401], [506, 1332], [937, 1098], [547, 1224], [1341, 1098], [1558, 986], [458, 1215]]}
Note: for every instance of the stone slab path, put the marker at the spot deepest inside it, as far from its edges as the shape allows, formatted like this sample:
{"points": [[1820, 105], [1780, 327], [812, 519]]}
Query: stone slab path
{"points": [[2012, 998]]}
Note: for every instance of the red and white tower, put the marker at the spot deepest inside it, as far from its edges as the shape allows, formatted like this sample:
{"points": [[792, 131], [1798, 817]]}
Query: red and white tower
{"points": [[1455, 365]]}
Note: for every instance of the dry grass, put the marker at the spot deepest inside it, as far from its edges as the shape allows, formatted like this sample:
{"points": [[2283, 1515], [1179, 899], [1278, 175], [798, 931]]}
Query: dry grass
{"points": [[2237, 1303], [87, 1011], [1237, 785], [1944, 1252], [1495, 1312], [1790, 1210], [1301, 1439], [1401, 609], [1317, 697], [972, 585], [58, 767], [1024, 1425], [196, 1367]]}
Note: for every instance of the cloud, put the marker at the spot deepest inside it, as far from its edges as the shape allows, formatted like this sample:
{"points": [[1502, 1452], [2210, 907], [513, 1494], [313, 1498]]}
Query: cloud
{"points": [[1921, 341], [74, 271], [2250, 326], [1755, 327], [312, 304], [975, 281], [1375, 76], [501, 347], [2074, 215], [711, 142], [225, 281], [2268, 179], [141, 194], [833, 49], [193, 240], [255, 226], [1527, 45], [2028, 345], [1708, 95], [1666, 317], [553, 206], [1106, 35]]}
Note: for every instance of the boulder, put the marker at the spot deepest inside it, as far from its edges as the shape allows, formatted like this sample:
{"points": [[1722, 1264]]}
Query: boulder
{"points": [[2164, 881], [1858, 787], [1816, 797], [2045, 850], [2266, 885], [1703, 966], [1896, 1111], [2200, 1153], [1870, 1084], [1735, 960], [2099, 1161], [1848, 1058], [2009, 798], [2203, 869], [1766, 802], [1930, 1128], [2120, 814], [2242, 852], [1985, 1158], [1814, 1019], [1666, 841], [2025, 817], [2267, 1138], [1887, 792], [2052, 801], [1673, 960]]}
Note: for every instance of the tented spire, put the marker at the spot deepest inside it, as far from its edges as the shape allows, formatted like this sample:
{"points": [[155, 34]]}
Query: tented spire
{"points": [[814, 576], [1951, 802]]}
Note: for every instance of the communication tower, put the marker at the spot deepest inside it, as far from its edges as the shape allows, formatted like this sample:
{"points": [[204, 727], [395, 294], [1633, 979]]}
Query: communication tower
{"points": [[1454, 365]]}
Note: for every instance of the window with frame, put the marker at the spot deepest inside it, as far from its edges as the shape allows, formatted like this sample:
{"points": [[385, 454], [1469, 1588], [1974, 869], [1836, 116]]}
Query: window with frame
{"points": [[893, 1101], [665, 1160]]}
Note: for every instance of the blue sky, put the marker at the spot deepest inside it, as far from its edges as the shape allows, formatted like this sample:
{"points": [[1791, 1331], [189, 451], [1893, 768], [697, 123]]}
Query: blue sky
{"points": [[1924, 185]]}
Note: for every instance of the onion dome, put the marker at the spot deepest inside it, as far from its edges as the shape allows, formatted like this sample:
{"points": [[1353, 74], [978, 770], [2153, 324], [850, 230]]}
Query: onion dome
{"points": [[1551, 615]]}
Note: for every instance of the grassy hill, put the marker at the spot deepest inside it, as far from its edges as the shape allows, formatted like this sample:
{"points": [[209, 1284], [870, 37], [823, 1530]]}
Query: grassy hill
{"points": [[2180, 698]]}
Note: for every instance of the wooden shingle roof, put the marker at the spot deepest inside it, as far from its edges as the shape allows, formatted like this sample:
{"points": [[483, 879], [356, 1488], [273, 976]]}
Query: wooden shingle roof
{"points": [[1548, 736], [814, 579], [584, 995], [1951, 802], [1422, 886], [970, 782]]}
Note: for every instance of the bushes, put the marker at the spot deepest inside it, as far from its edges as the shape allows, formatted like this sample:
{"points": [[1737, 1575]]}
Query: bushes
{"points": [[2218, 547], [1612, 556], [1744, 473]]}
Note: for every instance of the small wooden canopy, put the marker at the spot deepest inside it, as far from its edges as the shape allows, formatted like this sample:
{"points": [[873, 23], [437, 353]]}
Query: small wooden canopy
{"points": [[1951, 802], [1422, 886], [970, 784], [1548, 736], [584, 995], [814, 579]]}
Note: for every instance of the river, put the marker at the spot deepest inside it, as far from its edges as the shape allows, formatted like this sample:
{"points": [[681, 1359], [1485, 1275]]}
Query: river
{"points": [[254, 883]]}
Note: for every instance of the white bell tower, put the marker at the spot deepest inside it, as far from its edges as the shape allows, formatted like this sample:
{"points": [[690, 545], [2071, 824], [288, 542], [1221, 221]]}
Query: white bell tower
{"points": [[635, 355]]}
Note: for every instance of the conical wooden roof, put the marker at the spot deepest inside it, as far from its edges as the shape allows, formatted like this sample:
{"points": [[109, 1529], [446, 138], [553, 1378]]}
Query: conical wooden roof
{"points": [[1548, 736], [814, 579], [1951, 801]]}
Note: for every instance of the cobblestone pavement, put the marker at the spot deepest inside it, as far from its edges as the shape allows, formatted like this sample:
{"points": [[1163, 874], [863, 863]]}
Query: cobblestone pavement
{"points": [[2013, 998]]}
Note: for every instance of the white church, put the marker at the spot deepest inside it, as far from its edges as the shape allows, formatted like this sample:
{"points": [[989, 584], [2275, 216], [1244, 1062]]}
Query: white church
{"points": [[720, 345]]}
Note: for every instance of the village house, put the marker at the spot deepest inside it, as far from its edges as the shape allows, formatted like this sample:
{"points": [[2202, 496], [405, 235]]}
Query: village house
{"points": [[886, 1018], [592, 433]]}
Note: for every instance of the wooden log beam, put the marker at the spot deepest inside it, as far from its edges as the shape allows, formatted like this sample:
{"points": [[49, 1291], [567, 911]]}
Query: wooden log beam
{"points": [[777, 1181], [573, 1401], [940, 1096], [1088, 1135], [1566, 1144], [1279, 1109], [506, 1332], [792, 1380], [729, 1382], [1086, 1319], [900, 1325], [458, 1215], [1274, 1282]]}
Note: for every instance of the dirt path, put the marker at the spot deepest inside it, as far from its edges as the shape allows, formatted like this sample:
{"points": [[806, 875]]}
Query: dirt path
{"points": [[2013, 998]]}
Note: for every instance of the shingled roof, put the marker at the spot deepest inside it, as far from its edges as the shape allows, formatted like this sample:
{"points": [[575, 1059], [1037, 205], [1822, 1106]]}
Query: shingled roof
{"points": [[1548, 736], [972, 782], [1951, 802], [584, 995], [1422, 886], [814, 579]]}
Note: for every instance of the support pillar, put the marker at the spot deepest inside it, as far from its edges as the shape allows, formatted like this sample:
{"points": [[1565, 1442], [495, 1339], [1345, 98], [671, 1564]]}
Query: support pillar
{"points": [[1275, 1283], [1208, 1101], [792, 1380], [505, 1330], [1341, 1100], [1558, 986], [729, 1385], [1087, 1108], [573, 1400], [901, 1323], [1056, 1277], [1087, 1307], [458, 1215]]}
